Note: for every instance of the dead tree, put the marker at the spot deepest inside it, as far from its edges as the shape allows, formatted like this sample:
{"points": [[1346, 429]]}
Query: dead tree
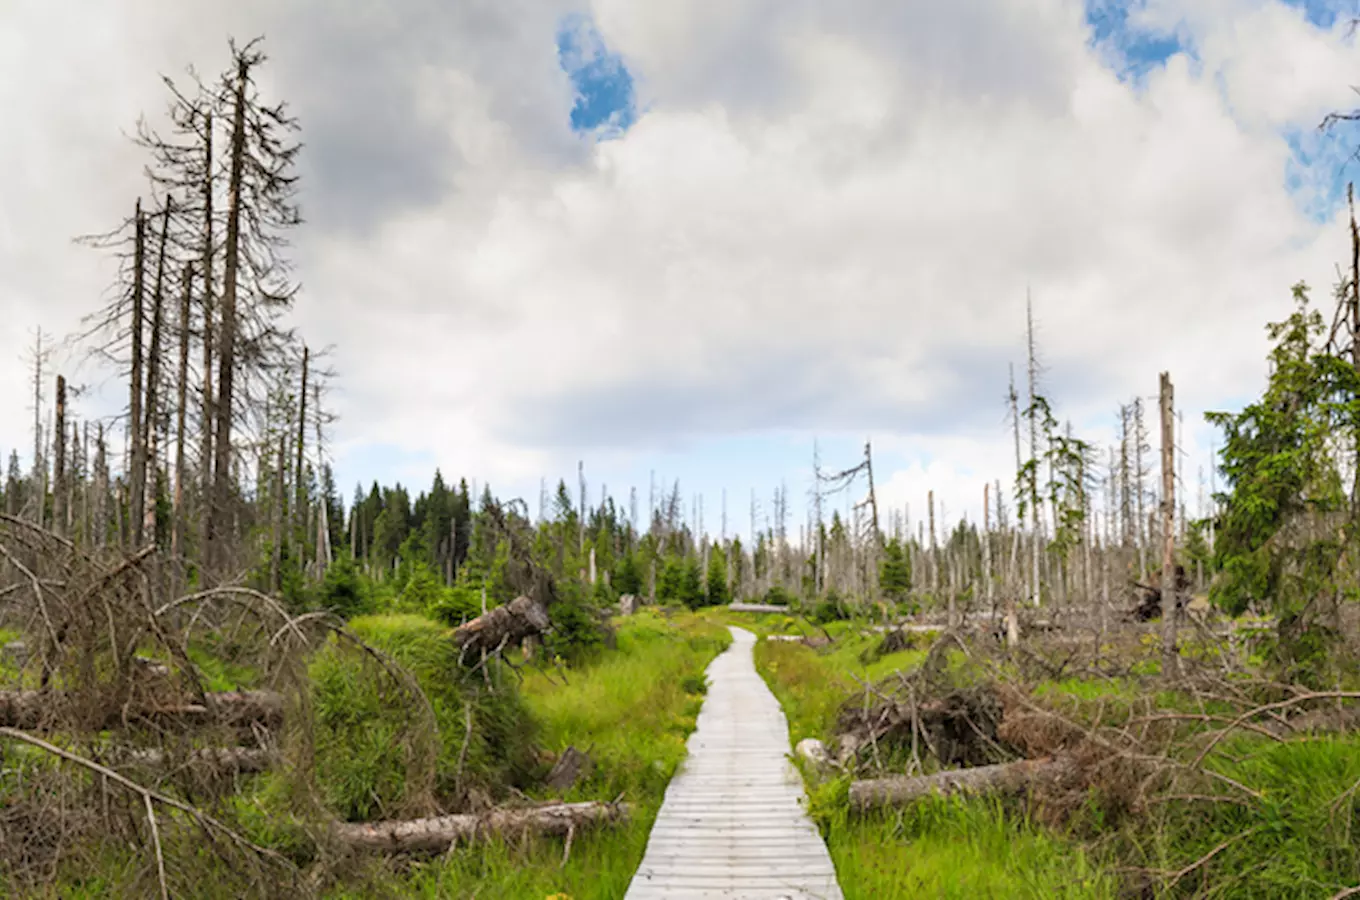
{"points": [[1170, 661], [299, 482], [137, 464], [151, 413], [178, 531], [255, 288], [59, 461], [1032, 413]]}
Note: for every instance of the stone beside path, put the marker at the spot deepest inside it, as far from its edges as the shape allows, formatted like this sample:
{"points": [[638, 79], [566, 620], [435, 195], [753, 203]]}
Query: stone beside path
{"points": [[732, 824]]}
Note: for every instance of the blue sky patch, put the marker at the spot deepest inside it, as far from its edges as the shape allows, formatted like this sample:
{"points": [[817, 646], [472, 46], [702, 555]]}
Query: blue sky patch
{"points": [[605, 103], [1324, 13], [1320, 163], [1137, 51]]}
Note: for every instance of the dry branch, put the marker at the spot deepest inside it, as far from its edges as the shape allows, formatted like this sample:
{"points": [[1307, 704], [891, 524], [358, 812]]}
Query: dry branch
{"points": [[34, 709], [148, 794], [440, 832]]}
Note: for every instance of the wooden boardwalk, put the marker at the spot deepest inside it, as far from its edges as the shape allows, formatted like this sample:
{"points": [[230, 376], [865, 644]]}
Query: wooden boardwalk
{"points": [[732, 824]]}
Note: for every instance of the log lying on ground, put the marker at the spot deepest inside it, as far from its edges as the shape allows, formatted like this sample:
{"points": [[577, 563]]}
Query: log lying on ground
{"points": [[440, 832], [1005, 778], [209, 759], [36, 709], [502, 626]]}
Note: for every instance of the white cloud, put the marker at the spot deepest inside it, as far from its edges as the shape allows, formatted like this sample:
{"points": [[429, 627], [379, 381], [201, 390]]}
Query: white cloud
{"points": [[822, 221]]}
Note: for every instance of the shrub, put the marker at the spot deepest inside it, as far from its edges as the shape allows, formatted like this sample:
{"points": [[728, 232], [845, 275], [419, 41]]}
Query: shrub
{"points": [[578, 631], [343, 589], [367, 736]]}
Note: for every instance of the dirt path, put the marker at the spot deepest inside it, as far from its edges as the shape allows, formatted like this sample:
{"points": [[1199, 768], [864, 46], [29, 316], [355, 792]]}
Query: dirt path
{"points": [[732, 824]]}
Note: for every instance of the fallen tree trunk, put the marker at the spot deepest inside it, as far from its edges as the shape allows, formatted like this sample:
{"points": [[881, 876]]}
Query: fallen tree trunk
{"points": [[1005, 778], [440, 832], [39, 709], [211, 759], [502, 626]]}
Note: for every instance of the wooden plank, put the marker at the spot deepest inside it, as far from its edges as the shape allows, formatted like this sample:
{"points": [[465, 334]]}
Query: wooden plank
{"points": [[732, 824]]}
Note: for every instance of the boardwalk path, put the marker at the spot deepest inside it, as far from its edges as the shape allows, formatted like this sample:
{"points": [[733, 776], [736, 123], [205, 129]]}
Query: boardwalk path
{"points": [[732, 824]]}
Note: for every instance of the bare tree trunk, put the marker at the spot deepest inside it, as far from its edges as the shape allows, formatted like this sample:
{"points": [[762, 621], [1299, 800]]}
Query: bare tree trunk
{"points": [[1033, 368], [137, 466], [222, 482], [86, 520], [101, 489], [181, 401], [276, 517], [151, 415], [1140, 472], [299, 484], [934, 562], [986, 537], [205, 461], [1170, 661], [59, 461], [1354, 303]]}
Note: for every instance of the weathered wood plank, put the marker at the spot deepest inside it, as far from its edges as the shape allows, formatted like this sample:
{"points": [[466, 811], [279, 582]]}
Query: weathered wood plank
{"points": [[732, 824]]}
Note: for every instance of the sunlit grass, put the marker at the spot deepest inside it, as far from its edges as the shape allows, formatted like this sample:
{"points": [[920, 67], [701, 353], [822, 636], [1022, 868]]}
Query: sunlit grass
{"points": [[632, 711]]}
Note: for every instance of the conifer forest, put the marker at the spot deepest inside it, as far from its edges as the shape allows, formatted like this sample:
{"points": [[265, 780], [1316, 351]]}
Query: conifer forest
{"points": [[227, 671]]}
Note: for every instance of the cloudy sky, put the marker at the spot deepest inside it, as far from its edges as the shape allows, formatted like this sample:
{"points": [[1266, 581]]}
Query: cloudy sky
{"points": [[689, 237]]}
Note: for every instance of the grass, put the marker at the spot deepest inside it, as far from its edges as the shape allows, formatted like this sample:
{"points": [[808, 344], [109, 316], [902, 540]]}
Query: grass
{"points": [[631, 711], [947, 849], [951, 848], [811, 686], [1298, 841]]}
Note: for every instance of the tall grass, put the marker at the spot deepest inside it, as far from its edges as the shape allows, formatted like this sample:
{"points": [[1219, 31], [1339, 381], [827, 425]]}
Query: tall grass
{"points": [[631, 710], [954, 848]]}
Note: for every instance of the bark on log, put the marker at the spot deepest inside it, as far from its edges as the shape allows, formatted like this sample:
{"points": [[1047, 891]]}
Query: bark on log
{"points": [[34, 709], [440, 832], [502, 626], [1005, 778], [210, 759]]}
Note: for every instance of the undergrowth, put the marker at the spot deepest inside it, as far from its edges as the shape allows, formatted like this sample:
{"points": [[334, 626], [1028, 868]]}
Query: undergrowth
{"points": [[362, 714], [631, 710], [1290, 832], [950, 848]]}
